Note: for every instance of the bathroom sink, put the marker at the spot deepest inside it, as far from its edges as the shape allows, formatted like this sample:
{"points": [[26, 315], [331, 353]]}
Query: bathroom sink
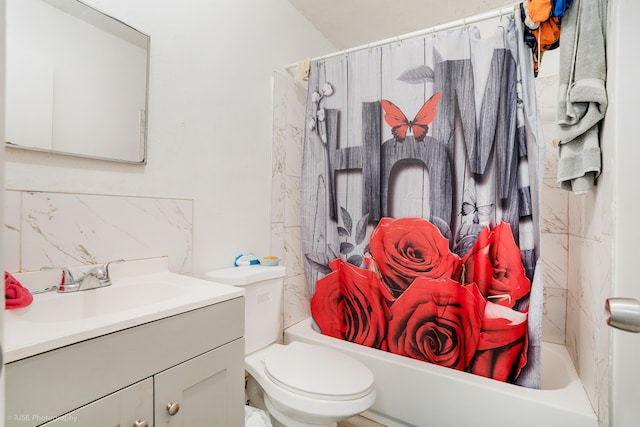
{"points": [[55, 307], [55, 320]]}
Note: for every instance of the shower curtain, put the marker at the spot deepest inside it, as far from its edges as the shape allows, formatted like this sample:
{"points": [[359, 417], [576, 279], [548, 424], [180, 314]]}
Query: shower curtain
{"points": [[420, 201]]}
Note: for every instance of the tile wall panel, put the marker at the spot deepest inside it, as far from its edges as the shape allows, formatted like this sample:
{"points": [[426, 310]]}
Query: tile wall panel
{"points": [[63, 229]]}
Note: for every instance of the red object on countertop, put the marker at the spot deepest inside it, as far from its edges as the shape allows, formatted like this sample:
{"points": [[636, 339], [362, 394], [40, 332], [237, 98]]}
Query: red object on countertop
{"points": [[15, 295]]}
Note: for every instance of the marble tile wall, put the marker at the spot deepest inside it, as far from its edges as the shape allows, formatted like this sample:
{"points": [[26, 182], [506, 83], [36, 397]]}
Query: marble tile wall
{"points": [[590, 274], [555, 220], [288, 135], [64, 229], [577, 254]]}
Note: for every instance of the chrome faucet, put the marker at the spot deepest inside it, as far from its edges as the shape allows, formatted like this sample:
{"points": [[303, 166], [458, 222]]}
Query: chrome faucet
{"points": [[97, 277]]}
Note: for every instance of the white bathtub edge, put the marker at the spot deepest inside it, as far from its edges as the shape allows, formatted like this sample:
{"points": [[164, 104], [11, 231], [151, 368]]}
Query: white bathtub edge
{"points": [[566, 407]]}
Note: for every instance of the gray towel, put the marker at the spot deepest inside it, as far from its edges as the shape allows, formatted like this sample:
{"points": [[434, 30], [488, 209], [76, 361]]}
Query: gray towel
{"points": [[582, 94]]}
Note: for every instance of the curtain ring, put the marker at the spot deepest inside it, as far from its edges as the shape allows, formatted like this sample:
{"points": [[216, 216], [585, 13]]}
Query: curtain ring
{"points": [[464, 24], [398, 41]]}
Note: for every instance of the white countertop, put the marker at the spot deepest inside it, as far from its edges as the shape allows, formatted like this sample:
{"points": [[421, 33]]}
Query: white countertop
{"points": [[142, 291]]}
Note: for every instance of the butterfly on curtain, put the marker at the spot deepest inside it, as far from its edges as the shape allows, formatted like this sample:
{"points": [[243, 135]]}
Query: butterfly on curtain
{"points": [[419, 126], [473, 208]]}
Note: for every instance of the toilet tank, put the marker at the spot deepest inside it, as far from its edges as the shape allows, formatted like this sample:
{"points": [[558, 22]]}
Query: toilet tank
{"points": [[263, 287]]}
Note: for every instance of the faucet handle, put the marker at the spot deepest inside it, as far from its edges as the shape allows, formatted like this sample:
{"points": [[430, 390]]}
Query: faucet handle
{"points": [[97, 277], [67, 277], [101, 273], [106, 267]]}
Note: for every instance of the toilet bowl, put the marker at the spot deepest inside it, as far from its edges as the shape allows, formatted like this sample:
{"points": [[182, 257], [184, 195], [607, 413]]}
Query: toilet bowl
{"points": [[305, 384], [298, 384]]}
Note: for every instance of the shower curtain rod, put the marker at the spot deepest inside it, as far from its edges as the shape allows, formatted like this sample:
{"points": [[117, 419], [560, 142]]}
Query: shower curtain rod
{"points": [[504, 11]]}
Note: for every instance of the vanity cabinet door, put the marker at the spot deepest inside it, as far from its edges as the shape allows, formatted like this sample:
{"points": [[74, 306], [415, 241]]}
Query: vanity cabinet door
{"points": [[123, 408], [207, 390]]}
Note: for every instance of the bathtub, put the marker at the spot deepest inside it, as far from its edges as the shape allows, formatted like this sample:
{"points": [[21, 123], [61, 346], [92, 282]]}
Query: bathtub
{"points": [[414, 393]]}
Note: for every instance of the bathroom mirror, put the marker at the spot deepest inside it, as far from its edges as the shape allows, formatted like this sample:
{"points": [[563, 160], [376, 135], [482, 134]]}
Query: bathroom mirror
{"points": [[76, 81]]}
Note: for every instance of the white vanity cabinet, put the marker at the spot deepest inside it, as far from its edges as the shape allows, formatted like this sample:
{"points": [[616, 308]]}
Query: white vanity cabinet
{"points": [[193, 359]]}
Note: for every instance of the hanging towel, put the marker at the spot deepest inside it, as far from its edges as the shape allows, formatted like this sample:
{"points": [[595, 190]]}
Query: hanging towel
{"points": [[582, 94], [15, 296]]}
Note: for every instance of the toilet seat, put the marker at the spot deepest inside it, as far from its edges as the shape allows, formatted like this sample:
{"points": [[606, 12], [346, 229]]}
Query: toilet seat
{"points": [[318, 372]]}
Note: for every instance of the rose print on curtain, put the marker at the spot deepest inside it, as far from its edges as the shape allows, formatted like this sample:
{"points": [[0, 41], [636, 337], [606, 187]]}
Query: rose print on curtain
{"points": [[437, 321], [435, 318], [406, 248], [494, 264], [420, 189], [351, 303]]}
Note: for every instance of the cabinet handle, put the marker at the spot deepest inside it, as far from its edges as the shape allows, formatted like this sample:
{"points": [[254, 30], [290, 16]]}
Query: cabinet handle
{"points": [[140, 423], [173, 408]]}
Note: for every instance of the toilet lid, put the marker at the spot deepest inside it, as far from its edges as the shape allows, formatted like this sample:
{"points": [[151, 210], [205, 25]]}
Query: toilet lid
{"points": [[318, 372]]}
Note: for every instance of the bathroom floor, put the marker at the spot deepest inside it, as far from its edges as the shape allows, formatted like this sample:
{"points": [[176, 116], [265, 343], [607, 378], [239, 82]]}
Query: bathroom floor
{"points": [[359, 421]]}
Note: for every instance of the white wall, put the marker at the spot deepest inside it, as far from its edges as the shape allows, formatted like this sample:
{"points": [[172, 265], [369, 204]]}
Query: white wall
{"points": [[210, 120]]}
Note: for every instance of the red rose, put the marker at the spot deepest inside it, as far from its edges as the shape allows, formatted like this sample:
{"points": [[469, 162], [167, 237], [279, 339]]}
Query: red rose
{"points": [[350, 303], [437, 321], [502, 350], [494, 264], [406, 248]]}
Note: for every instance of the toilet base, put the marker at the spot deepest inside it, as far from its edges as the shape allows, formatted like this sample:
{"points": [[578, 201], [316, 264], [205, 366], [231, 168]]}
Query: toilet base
{"points": [[259, 399], [283, 420]]}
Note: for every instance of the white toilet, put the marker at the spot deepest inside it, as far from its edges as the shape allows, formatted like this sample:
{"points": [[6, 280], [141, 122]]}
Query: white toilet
{"points": [[301, 384]]}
